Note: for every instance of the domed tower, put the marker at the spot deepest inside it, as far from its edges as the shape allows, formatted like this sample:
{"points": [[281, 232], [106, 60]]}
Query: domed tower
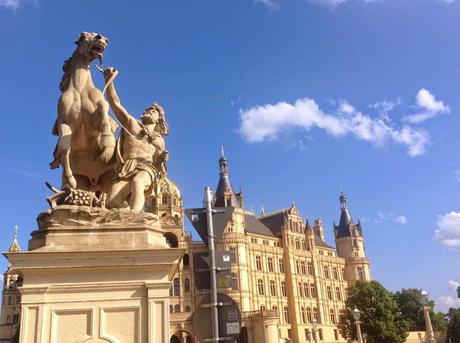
{"points": [[350, 245], [225, 196]]}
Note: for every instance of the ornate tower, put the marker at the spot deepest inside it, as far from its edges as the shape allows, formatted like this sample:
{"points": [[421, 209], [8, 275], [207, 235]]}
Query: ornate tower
{"points": [[350, 245], [225, 196], [11, 298]]}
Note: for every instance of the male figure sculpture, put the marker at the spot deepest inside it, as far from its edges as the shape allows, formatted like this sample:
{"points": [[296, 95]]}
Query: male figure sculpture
{"points": [[141, 152]]}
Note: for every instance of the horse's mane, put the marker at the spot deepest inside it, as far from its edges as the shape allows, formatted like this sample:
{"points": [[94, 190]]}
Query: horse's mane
{"points": [[66, 69]]}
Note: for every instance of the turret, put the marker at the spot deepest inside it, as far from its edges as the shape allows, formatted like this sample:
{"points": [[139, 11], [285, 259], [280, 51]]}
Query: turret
{"points": [[350, 245], [224, 195]]}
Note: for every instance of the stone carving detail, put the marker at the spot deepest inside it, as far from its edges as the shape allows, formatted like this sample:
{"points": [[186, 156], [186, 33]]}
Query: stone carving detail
{"points": [[168, 220], [98, 168], [86, 142]]}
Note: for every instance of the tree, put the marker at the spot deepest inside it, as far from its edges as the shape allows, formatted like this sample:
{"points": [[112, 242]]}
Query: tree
{"points": [[453, 325], [380, 317], [410, 303]]}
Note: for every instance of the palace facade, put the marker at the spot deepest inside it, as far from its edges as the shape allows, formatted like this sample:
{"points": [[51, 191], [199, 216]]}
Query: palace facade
{"points": [[289, 283]]}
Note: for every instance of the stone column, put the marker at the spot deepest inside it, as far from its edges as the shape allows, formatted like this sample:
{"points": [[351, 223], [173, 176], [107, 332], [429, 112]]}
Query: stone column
{"points": [[429, 335]]}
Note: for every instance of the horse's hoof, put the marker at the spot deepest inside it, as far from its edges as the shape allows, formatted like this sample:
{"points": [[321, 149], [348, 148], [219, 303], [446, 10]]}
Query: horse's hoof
{"points": [[54, 164]]}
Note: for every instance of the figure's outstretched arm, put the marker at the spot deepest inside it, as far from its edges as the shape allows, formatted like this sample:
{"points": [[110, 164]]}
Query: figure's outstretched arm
{"points": [[120, 112]]}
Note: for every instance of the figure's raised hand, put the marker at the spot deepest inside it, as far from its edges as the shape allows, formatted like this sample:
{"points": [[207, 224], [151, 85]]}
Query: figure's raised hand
{"points": [[110, 73]]}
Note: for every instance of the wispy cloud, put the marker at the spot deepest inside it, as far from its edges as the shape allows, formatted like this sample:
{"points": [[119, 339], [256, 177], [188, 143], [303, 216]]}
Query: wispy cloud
{"points": [[454, 285], [447, 232], [429, 106], [269, 122], [272, 4], [10, 4], [456, 175], [382, 217], [446, 302]]}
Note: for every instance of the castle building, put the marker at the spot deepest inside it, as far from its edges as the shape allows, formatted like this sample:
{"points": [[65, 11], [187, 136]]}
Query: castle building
{"points": [[288, 282]]}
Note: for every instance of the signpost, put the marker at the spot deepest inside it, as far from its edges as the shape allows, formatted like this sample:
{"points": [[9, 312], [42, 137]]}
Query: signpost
{"points": [[212, 270]]}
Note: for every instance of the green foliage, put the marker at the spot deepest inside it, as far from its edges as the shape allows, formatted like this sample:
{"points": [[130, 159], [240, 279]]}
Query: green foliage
{"points": [[453, 325], [410, 304], [380, 317]]}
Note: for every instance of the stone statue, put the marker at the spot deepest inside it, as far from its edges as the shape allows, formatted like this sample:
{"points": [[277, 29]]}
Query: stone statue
{"points": [[86, 142], [141, 153]]}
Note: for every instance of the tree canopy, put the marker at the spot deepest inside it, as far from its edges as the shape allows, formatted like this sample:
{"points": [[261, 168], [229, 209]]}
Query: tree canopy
{"points": [[410, 303], [380, 318], [453, 325]]}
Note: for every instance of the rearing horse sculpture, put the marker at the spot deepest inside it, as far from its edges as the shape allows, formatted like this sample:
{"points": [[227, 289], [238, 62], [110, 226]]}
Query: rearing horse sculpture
{"points": [[86, 132]]}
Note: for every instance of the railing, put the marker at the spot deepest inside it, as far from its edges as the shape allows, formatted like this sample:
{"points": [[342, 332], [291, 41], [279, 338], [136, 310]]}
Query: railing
{"points": [[259, 313]]}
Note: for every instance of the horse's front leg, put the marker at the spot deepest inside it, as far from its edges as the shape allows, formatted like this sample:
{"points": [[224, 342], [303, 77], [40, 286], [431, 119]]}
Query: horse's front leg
{"points": [[64, 144], [107, 141]]}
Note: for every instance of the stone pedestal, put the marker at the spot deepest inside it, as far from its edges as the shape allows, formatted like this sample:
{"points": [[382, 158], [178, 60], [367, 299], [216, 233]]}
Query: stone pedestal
{"points": [[99, 283]]}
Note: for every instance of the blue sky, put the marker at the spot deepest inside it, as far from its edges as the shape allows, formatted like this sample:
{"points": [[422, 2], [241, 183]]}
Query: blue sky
{"points": [[308, 98]]}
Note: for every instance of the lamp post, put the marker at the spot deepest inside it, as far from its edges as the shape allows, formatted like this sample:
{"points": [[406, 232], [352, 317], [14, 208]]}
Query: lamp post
{"points": [[364, 338], [315, 331], [429, 334], [356, 315]]}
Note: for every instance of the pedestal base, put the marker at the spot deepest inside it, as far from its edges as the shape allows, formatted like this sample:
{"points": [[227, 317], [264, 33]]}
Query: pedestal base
{"points": [[102, 296]]}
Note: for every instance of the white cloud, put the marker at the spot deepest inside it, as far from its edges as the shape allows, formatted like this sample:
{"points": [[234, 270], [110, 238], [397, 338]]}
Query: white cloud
{"points": [[384, 107], [445, 302], [272, 4], [456, 175], [268, 122], [454, 285], [448, 230], [430, 107], [401, 220], [382, 217], [10, 4]]}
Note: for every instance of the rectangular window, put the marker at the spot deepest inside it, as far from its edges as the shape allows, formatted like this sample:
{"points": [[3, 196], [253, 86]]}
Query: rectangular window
{"points": [[235, 282], [302, 267], [283, 288], [307, 334], [310, 268], [312, 290], [297, 244], [343, 273], [297, 266], [320, 334], [302, 313], [309, 315], [300, 289], [272, 288], [265, 242], [258, 263], [260, 286], [360, 272], [326, 272], [254, 240], [329, 292], [306, 292]]}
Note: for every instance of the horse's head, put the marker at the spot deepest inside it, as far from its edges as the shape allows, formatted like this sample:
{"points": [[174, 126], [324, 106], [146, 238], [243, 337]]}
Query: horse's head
{"points": [[91, 45]]}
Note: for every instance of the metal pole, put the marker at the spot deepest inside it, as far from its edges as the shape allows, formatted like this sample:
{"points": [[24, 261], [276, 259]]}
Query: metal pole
{"points": [[358, 331], [212, 256]]}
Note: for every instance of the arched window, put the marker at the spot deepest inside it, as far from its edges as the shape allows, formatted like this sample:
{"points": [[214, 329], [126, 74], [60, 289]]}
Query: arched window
{"points": [[329, 292], [171, 309], [309, 315], [302, 312], [174, 339], [286, 314], [186, 285], [164, 200], [333, 318], [176, 308], [176, 287], [338, 294], [171, 240], [187, 308], [272, 288]]}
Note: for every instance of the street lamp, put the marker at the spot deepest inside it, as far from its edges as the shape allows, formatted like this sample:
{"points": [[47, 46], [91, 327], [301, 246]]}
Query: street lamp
{"points": [[429, 334], [315, 330], [356, 315]]}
